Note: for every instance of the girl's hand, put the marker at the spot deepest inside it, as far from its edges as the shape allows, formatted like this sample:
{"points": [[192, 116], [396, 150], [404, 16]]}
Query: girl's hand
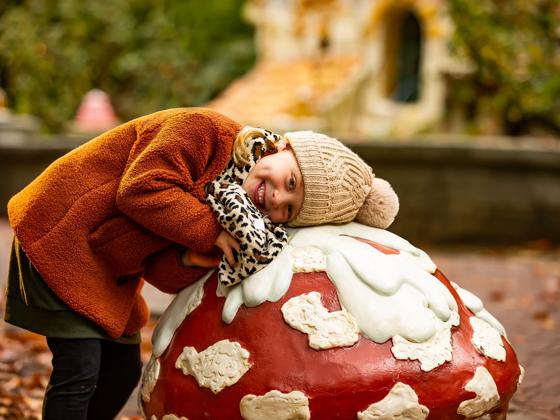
{"points": [[227, 244], [192, 258]]}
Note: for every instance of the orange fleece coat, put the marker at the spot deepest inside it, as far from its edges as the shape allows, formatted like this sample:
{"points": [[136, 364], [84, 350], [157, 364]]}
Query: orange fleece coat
{"points": [[95, 217]]}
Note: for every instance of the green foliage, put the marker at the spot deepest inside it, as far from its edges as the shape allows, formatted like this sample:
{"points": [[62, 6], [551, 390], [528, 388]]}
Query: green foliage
{"points": [[147, 54], [515, 48]]}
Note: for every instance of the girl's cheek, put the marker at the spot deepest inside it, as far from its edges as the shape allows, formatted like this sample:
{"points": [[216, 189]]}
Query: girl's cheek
{"points": [[270, 214], [276, 216]]}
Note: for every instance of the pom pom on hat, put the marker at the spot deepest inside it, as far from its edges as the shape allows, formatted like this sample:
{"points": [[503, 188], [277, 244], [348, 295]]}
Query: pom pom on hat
{"points": [[338, 184], [380, 206]]}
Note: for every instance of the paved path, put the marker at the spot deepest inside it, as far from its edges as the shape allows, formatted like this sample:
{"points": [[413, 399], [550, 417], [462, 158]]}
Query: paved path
{"points": [[521, 287]]}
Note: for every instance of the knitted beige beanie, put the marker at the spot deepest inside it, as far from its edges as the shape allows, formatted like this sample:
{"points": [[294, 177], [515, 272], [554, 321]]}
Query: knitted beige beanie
{"points": [[338, 185]]}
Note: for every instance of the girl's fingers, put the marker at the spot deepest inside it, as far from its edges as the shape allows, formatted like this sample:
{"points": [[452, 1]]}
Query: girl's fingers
{"points": [[206, 261], [229, 255], [234, 243], [193, 258], [227, 244]]}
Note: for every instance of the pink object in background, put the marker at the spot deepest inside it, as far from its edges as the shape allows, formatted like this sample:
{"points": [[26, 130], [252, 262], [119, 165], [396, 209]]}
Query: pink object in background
{"points": [[95, 112]]}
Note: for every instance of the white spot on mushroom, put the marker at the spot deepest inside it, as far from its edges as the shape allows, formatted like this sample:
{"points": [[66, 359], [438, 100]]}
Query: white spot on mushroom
{"points": [[275, 405], [431, 353], [521, 375], [386, 295], [325, 329], [220, 365], [149, 378], [487, 396], [400, 403], [476, 306], [153, 417], [173, 417], [186, 301], [308, 259], [487, 340]]}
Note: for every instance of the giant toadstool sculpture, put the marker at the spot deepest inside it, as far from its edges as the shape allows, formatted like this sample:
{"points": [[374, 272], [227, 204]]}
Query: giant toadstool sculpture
{"points": [[349, 322]]}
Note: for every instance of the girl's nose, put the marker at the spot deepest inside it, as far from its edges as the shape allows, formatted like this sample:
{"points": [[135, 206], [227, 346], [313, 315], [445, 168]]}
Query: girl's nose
{"points": [[274, 198], [278, 205], [278, 197]]}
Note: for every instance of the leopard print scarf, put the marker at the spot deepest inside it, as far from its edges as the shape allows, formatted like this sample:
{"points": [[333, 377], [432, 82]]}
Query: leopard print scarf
{"points": [[260, 239]]}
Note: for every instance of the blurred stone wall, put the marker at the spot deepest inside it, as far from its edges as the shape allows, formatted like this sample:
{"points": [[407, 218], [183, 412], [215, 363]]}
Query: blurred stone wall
{"points": [[24, 154], [468, 193]]}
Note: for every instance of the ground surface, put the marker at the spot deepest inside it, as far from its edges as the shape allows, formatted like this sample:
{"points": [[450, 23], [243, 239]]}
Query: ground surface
{"points": [[520, 286]]}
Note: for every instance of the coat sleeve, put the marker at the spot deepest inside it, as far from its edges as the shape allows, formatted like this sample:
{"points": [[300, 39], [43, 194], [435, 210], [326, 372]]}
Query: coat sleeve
{"points": [[155, 189], [165, 271]]}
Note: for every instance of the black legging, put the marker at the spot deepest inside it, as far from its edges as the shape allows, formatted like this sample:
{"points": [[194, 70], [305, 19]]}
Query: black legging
{"points": [[91, 378]]}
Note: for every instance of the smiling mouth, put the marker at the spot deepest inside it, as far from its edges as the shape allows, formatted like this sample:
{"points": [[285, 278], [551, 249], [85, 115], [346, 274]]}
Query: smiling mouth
{"points": [[259, 196]]}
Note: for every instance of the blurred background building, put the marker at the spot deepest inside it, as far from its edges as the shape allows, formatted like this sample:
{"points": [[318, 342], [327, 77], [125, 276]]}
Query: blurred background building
{"points": [[360, 68]]}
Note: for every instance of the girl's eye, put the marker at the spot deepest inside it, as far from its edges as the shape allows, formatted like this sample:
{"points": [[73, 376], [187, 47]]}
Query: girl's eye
{"points": [[292, 183]]}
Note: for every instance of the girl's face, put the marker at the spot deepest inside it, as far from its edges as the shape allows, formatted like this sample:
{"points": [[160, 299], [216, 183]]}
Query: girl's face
{"points": [[275, 185]]}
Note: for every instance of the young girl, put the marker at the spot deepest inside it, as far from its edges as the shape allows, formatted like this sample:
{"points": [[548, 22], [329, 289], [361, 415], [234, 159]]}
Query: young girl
{"points": [[124, 207]]}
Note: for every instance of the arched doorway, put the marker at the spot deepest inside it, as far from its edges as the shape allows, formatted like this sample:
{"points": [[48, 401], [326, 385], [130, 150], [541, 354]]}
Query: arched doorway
{"points": [[402, 56]]}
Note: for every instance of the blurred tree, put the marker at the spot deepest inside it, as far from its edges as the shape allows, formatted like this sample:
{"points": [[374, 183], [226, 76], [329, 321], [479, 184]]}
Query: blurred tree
{"points": [[515, 48], [147, 54]]}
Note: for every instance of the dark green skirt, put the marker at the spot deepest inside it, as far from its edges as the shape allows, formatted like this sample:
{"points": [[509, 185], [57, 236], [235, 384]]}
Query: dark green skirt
{"points": [[30, 304]]}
